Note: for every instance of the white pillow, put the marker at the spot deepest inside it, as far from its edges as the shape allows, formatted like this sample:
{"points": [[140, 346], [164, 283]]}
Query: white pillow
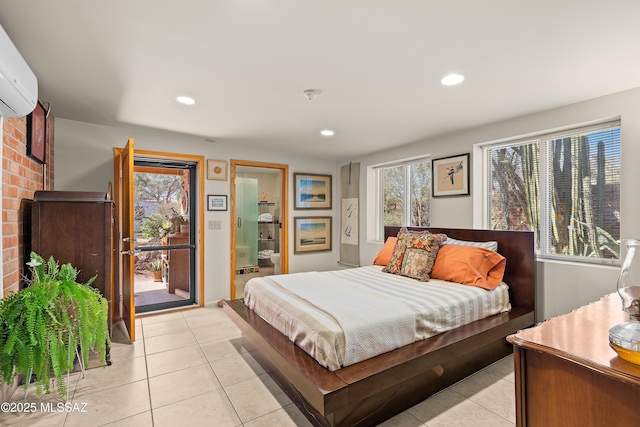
{"points": [[492, 246]]}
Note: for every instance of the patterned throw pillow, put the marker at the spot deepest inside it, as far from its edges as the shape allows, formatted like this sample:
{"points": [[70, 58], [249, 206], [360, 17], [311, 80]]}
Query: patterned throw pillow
{"points": [[395, 263], [415, 264], [414, 254]]}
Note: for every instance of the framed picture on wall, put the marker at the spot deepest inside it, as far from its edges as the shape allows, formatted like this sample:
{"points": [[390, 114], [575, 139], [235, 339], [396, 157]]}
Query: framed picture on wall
{"points": [[450, 176], [312, 234], [216, 203], [312, 191], [217, 170], [37, 134]]}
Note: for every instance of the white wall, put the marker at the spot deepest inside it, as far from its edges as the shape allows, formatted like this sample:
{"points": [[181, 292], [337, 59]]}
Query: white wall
{"points": [[84, 162], [562, 286]]}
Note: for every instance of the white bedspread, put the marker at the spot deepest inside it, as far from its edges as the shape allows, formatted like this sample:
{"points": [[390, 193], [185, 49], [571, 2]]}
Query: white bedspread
{"points": [[436, 306], [371, 322]]}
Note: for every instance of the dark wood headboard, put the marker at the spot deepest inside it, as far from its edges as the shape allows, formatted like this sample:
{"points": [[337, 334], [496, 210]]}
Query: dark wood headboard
{"points": [[516, 246]]}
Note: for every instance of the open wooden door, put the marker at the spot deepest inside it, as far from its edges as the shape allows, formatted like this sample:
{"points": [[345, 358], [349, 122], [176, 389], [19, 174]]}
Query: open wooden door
{"points": [[123, 178]]}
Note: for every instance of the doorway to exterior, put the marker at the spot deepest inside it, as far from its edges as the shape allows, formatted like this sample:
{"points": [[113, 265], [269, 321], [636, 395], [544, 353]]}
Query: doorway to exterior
{"points": [[137, 245], [164, 267], [259, 231]]}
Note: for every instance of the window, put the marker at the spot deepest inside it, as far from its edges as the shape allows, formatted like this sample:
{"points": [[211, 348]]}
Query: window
{"points": [[404, 193], [564, 186]]}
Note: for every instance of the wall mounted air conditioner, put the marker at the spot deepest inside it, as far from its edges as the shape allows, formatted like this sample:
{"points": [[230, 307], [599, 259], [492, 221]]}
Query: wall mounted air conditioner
{"points": [[18, 84]]}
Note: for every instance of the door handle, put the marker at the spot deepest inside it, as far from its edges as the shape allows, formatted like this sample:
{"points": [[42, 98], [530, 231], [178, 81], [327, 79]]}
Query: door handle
{"points": [[239, 222], [132, 252]]}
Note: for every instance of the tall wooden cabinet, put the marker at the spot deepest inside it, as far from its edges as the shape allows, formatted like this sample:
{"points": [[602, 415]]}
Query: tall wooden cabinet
{"points": [[76, 227]]}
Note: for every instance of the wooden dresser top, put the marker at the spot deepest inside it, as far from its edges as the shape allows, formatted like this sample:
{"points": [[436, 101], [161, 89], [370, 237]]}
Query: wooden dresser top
{"points": [[583, 337]]}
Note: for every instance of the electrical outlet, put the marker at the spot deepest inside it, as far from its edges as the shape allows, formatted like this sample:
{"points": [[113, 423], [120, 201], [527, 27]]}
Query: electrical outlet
{"points": [[215, 225]]}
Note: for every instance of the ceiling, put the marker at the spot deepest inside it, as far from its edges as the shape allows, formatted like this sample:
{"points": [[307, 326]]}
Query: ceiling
{"points": [[376, 64]]}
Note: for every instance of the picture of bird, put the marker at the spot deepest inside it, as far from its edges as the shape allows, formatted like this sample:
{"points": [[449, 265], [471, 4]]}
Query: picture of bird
{"points": [[451, 171]]}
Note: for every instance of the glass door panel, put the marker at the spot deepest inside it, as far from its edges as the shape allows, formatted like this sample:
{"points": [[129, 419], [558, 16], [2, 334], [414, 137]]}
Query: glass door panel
{"points": [[164, 241], [246, 222]]}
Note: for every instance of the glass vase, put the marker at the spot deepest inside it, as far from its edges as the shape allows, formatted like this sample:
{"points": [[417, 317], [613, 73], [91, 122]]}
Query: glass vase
{"points": [[625, 337]]}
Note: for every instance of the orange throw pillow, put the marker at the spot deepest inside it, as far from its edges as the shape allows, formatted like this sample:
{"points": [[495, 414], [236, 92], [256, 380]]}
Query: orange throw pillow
{"points": [[469, 265], [384, 256]]}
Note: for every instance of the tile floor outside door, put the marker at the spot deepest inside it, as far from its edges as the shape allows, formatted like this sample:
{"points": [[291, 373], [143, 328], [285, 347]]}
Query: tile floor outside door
{"points": [[188, 368]]}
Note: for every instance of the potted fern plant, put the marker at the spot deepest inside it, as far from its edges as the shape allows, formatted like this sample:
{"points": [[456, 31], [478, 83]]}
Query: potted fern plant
{"points": [[45, 325]]}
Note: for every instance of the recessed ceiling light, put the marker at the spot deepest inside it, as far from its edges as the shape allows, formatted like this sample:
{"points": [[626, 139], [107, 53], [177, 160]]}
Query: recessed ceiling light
{"points": [[452, 79], [327, 132], [186, 100]]}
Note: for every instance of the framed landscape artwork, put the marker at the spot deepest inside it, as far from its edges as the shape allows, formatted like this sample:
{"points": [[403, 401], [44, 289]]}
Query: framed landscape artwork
{"points": [[312, 191], [216, 203], [450, 176], [312, 234]]}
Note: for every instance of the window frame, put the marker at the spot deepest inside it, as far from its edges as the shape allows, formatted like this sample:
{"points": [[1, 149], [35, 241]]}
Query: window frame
{"points": [[544, 140], [379, 216]]}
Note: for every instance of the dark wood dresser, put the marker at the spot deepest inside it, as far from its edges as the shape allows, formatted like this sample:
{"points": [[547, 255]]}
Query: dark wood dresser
{"points": [[76, 227], [567, 375]]}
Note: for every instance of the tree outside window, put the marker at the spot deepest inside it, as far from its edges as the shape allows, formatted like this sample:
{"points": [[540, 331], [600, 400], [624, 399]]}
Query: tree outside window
{"points": [[565, 188], [406, 194]]}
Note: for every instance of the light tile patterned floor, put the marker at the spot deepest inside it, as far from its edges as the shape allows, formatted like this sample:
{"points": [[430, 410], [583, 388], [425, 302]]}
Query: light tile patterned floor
{"points": [[189, 369]]}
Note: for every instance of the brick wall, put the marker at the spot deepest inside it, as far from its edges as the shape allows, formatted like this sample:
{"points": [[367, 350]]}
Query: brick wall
{"points": [[21, 177]]}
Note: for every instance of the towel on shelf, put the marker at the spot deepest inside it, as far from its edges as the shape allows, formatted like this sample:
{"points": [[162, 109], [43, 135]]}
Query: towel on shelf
{"points": [[265, 254]]}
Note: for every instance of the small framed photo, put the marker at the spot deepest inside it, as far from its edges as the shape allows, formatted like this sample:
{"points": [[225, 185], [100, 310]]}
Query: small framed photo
{"points": [[312, 234], [216, 203], [450, 176], [312, 191], [37, 134], [217, 170]]}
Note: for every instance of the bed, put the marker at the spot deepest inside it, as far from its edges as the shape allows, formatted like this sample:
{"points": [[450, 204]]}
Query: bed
{"points": [[370, 391]]}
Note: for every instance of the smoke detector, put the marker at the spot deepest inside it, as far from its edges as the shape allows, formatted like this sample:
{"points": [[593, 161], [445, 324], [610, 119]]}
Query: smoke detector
{"points": [[310, 94]]}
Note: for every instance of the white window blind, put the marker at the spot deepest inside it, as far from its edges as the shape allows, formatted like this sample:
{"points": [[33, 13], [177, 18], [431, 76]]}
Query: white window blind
{"points": [[563, 186]]}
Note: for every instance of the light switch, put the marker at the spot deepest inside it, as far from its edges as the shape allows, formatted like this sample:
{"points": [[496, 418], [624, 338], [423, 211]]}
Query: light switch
{"points": [[215, 225]]}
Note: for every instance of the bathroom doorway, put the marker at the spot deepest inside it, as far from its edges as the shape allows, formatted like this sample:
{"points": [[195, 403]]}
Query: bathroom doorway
{"points": [[259, 236]]}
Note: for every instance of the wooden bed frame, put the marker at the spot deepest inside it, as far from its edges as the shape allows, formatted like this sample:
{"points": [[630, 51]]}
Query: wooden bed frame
{"points": [[376, 389]]}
